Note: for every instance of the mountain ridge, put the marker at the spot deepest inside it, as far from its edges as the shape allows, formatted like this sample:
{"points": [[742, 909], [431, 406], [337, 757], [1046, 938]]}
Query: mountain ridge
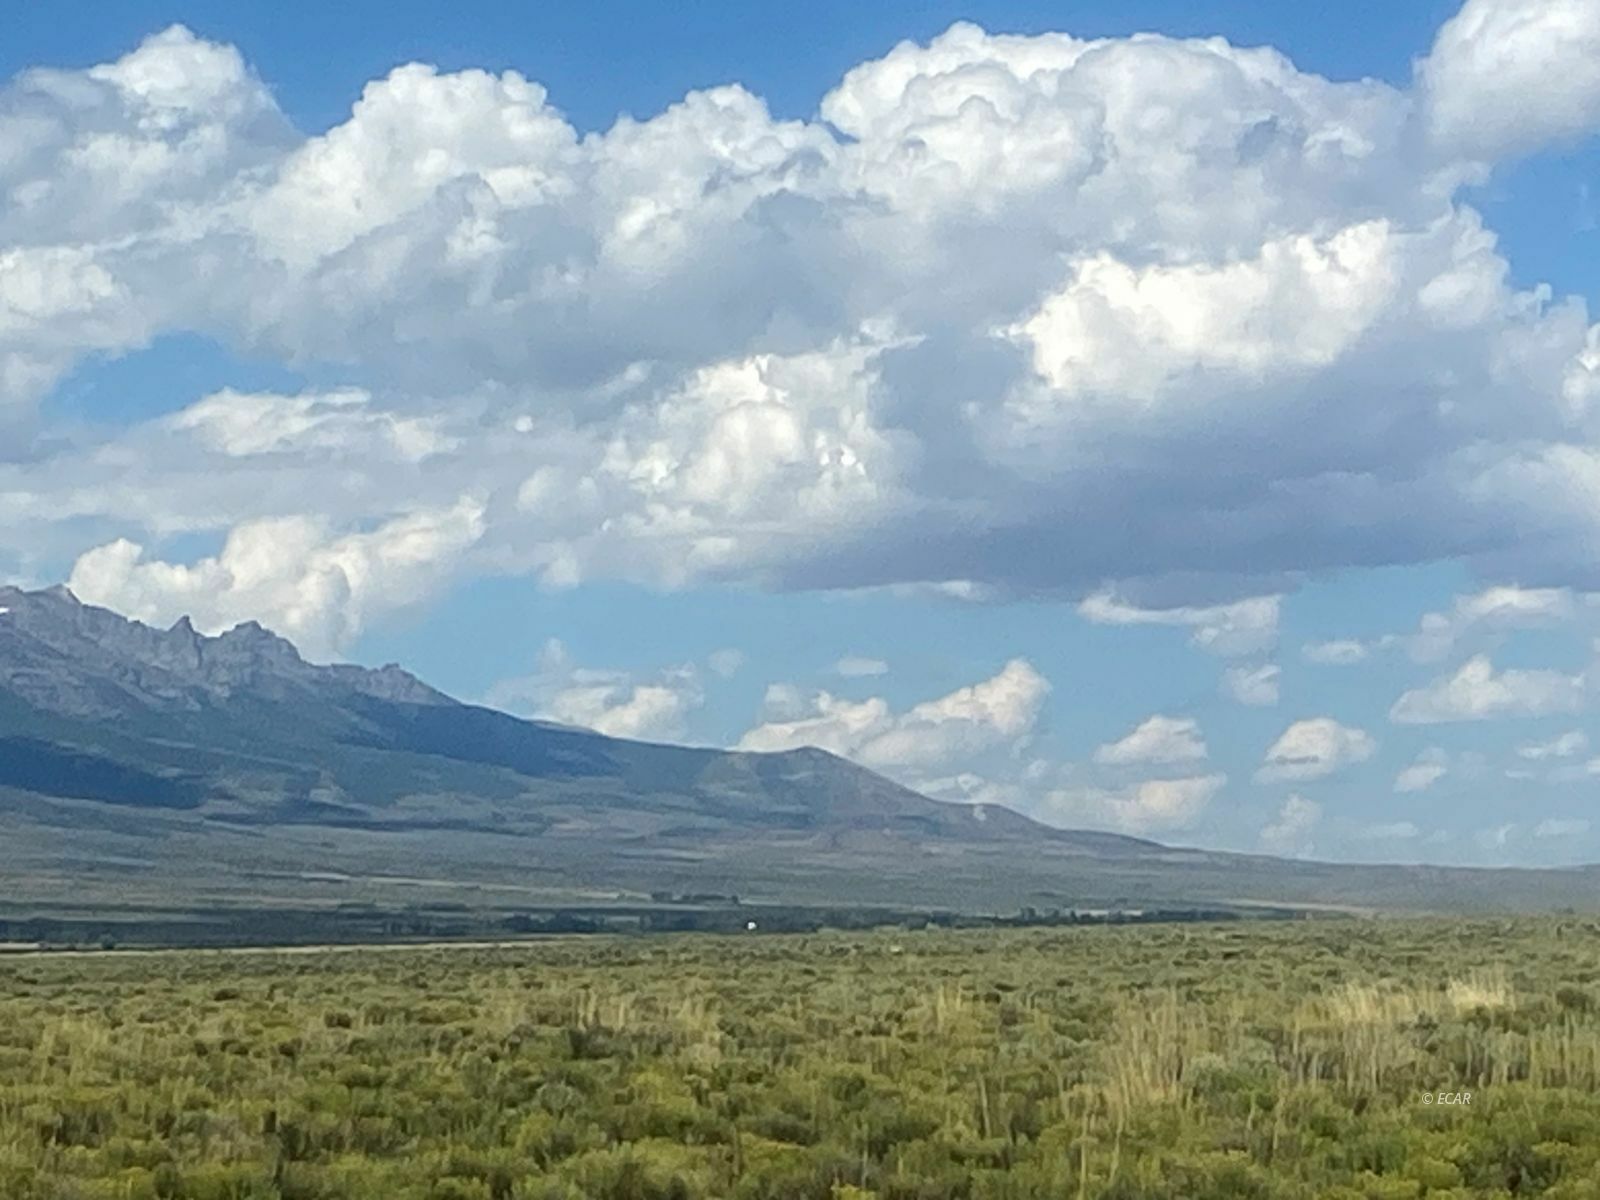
{"points": [[83, 666], [140, 765]]}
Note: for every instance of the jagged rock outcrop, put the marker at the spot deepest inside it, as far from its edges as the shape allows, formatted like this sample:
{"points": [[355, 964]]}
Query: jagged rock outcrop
{"points": [[77, 660]]}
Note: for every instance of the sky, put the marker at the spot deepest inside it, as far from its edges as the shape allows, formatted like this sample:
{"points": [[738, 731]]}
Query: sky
{"points": [[1179, 419]]}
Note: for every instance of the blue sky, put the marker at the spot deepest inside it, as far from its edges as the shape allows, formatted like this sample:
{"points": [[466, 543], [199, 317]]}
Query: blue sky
{"points": [[1153, 434]]}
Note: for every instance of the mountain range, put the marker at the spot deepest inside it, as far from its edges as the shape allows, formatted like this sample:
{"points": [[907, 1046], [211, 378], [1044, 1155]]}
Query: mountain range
{"points": [[144, 769]]}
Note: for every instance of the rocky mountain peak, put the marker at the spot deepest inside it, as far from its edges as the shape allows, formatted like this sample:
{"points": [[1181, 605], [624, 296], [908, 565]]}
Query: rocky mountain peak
{"points": [[253, 640], [71, 657]]}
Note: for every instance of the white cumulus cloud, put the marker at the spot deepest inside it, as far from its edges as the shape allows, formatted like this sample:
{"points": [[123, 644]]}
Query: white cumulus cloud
{"points": [[1313, 749], [1341, 652], [1477, 692], [1289, 833], [638, 711], [1150, 807], [1136, 334], [615, 703], [1255, 686], [241, 425], [1566, 745], [1244, 627], [1508, 76], [1157, 739], [1495, 609], [306, 582], [961, 724], [1431, 766]]}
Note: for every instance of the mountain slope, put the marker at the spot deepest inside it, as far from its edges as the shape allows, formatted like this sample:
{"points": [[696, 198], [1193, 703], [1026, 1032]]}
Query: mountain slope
{"points": [[239, 730], [165, 768]]}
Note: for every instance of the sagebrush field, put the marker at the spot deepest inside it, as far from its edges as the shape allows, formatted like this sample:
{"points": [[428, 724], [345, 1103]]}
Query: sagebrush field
{"points": [[1190, 1062]]}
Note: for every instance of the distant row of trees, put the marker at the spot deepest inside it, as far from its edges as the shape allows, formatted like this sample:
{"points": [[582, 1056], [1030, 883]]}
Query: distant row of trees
{"points": [[668, 913]]}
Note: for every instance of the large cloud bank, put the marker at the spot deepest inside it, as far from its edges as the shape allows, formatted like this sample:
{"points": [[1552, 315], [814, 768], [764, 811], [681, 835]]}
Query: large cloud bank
{"points": [[1164, 321]]}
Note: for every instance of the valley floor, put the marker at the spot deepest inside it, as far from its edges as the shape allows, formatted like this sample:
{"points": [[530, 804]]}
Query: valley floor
{"points": [[1313, 1059]]}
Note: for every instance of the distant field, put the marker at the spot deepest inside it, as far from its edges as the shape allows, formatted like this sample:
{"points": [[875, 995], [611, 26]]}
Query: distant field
{"points": [[1192, 1062]]}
